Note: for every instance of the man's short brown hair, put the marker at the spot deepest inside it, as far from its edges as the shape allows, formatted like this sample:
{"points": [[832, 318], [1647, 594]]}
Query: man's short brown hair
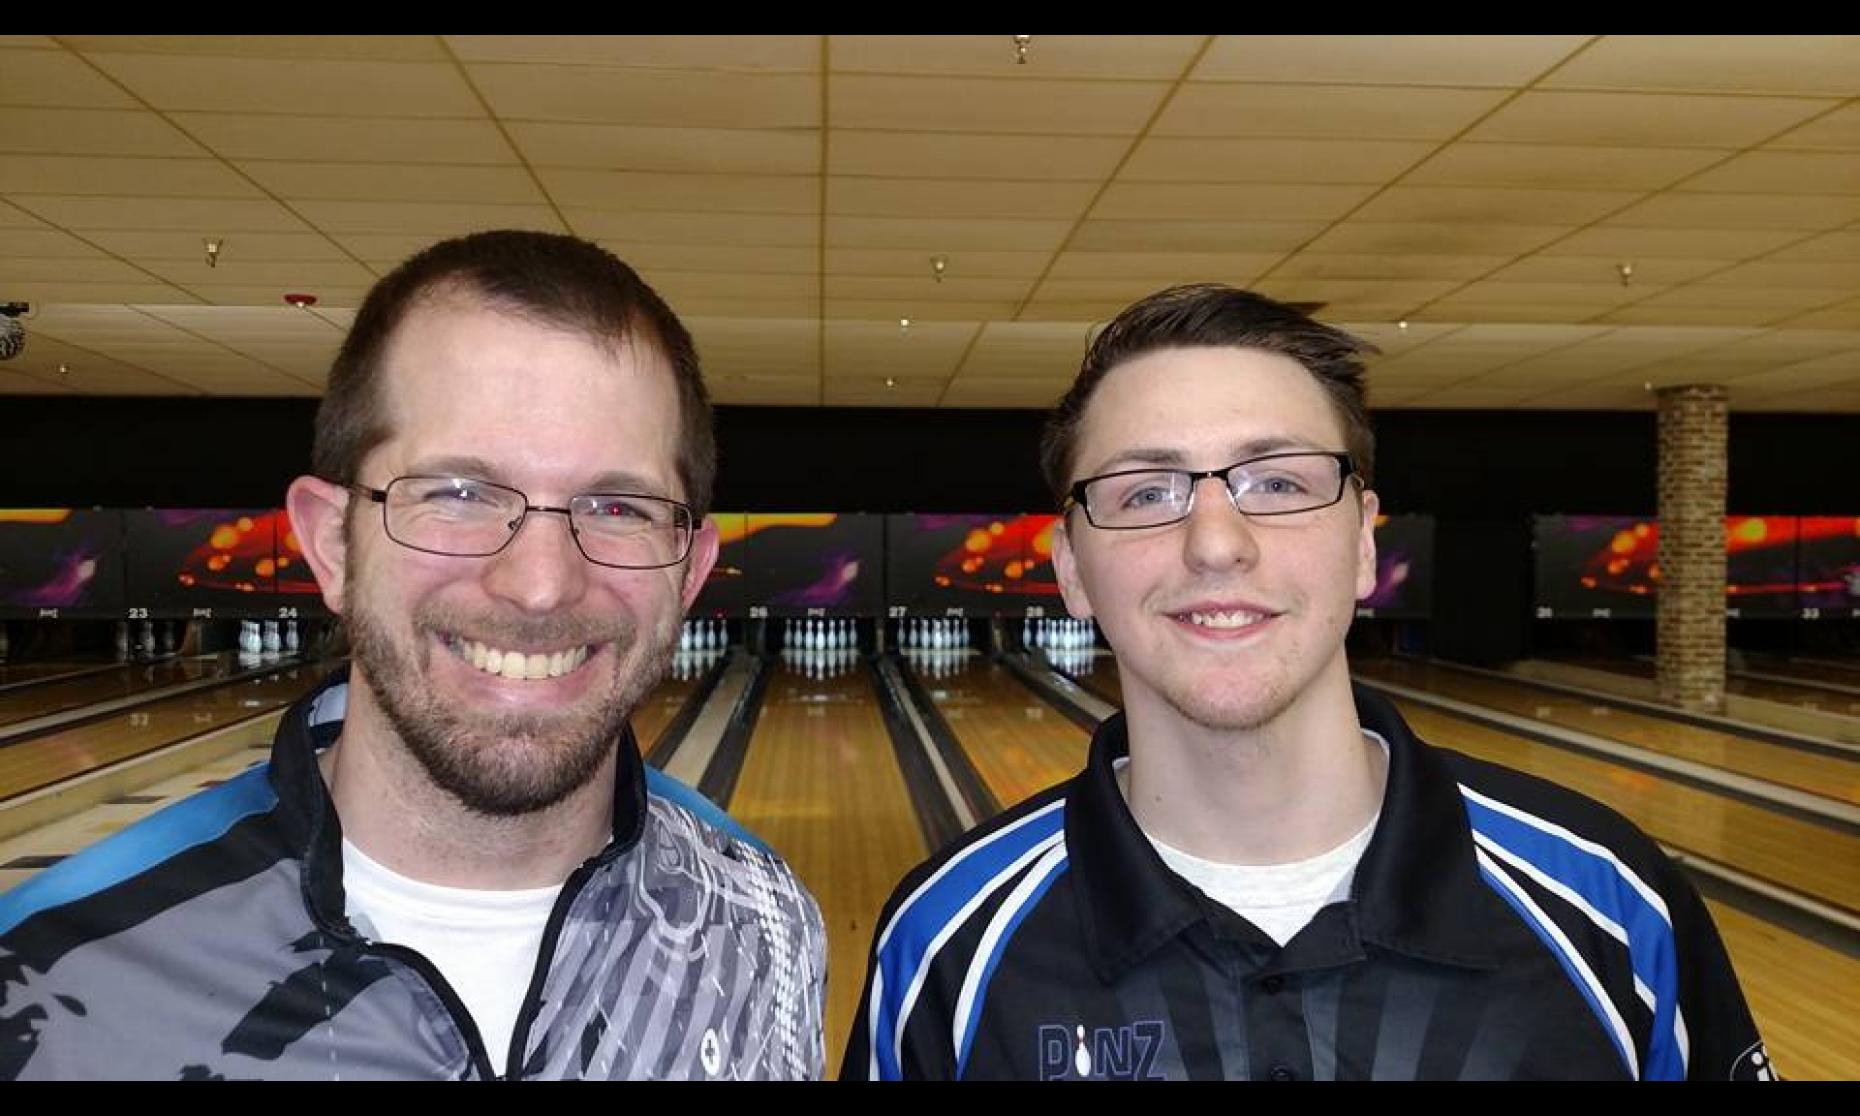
{"points": [[559, 280], [1211, 315]]}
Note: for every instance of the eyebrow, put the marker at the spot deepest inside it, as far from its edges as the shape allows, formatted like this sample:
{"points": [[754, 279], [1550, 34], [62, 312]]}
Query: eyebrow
{"points": [[1166, 458], [466, 466]]}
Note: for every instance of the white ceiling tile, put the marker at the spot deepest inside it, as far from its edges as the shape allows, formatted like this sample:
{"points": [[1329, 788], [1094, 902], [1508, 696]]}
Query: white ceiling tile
{"points": [[129, 178], [56, 79], [1248, 237], [916, 197], [754, 229], [386, 48], [326, 87], [436, 218], [689, 52], [1473, 60], [395, 182], [1272, 160], [645, 148], [662, 98], [1632, 119], [1561, 167], [725, 193], [71, 131], [1127, 57], [976, 262], [1216, 201], [1784, 172], [985, 105], [907, 155], [1174, 267], [1369, 238], [1836, 131], [1322, 111], [348, 139], [1745, 64], [209, 217], [1492, 205]]}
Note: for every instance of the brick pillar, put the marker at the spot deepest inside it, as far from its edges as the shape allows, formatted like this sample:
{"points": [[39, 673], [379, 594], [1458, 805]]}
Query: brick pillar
{"points": [[1689, 631]]}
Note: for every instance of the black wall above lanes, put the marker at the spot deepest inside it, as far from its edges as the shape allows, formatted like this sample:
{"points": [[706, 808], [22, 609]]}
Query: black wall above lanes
{"points": [[129, 452], [1481, 474]]}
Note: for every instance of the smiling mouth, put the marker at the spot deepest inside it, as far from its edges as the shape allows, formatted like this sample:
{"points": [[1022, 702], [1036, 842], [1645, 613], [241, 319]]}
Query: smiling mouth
{"points": [[517, 665], [1223, 620]]}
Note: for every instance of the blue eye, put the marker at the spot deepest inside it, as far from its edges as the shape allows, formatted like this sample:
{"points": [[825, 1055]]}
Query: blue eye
{"points": [[1281, 486], [1146, 497]]}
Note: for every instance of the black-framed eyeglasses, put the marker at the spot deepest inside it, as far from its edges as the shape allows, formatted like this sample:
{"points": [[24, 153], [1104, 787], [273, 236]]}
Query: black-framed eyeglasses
{"points": [[1275, 484], [469, 518]]}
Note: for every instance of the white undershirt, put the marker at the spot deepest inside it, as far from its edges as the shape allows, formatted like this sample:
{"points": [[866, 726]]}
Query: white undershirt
{"points": [[483, 942], [1280, 899]]}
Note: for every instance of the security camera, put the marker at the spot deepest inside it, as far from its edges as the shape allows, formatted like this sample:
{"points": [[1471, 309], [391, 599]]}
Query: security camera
{"points": [[12, 334]]}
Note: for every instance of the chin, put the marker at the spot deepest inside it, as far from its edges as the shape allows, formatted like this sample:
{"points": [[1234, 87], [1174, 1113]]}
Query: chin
{"points": [[1227, 700]]}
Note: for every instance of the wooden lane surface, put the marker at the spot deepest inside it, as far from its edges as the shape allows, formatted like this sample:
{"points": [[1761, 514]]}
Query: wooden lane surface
{"points": [[1017, 743], [821, 785], [1803, 693], [1103, 679], [39, 670], [43, 760], [657, 709], [1811, 670], [127, 680], [1805, 996], [1833, 776], [1800, 855], [1806, 693]]}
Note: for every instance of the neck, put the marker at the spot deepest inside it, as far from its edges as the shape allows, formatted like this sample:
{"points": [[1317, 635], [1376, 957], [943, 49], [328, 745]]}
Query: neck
{"points": [[1295, 787], [394, 812]]}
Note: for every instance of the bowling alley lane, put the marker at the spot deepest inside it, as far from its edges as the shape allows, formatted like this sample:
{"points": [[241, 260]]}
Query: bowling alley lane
{"points": [[657, 709], [125, 680], [1844, 673], [1832, 776], [1785, 684], [40, 761], [821, 785], [1015, 740], [37, 671]]}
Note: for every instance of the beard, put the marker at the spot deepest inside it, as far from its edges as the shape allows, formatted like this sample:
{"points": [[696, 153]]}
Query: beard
{"points": [[506, 764]]}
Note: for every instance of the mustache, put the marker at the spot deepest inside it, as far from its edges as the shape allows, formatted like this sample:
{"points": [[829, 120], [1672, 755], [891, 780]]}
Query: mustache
{"points": [[517, 628]]}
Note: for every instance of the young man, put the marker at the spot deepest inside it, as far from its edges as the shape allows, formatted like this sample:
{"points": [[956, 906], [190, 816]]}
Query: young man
{"points": [[455, 864], [1262, 873]]}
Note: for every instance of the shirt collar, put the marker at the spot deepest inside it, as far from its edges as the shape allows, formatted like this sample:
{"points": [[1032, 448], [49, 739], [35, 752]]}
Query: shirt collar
{"points": [[1417, 889]]}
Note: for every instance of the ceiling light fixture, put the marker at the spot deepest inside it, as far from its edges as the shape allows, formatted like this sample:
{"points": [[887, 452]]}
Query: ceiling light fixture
{"points": [[213, 244], [1627, 272], [1021, 43], [938, 265], [904, 327], [301, 301]]}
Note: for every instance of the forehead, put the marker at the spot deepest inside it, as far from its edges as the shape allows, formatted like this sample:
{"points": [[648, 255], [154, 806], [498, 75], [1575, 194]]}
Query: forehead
{"points": [[1202, 403], [464, 377]]}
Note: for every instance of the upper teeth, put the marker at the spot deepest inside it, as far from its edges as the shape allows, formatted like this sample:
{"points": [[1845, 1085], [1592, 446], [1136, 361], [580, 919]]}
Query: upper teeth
{"points": [[1225, 619], [516, 664]]}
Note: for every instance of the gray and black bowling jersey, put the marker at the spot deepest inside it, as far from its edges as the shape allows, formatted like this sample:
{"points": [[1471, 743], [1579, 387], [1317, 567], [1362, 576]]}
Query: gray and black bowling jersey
{"points": [[209, 941]]}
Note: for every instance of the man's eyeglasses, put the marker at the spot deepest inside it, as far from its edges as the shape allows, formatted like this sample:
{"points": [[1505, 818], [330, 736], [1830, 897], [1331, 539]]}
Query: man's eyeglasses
{"points": [[473, 519], [1276, 484]]}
